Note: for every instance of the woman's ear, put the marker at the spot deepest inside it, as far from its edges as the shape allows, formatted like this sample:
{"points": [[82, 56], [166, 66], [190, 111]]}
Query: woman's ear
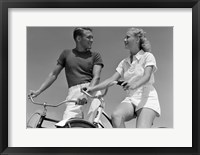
{"points": [[138, 40]]}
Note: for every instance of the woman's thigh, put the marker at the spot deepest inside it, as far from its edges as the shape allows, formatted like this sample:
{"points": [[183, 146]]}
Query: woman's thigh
{"points": [[125, 110], [145, 118]]}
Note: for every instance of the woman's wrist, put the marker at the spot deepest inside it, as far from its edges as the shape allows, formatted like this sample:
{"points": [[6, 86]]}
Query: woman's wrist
{"points": [[94, 89], [134, 86], [91, 89]]}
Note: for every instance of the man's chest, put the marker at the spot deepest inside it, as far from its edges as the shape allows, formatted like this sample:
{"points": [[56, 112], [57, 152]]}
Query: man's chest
{"points": [[83, 62]]}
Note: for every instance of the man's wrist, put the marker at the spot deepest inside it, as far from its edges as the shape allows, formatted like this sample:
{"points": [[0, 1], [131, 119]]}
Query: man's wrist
{"points": [[38, 92]]}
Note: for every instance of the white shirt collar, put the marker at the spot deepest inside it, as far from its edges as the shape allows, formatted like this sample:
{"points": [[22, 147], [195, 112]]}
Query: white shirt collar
{"points": [[138, 56]]}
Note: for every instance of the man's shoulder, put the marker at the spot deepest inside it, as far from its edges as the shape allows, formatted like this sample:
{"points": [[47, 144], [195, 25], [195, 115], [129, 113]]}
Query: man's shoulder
{"points": [[94, 53], [65, 52]]}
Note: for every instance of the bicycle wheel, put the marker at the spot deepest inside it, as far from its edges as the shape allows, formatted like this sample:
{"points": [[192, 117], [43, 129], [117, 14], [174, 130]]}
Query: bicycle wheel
{"points": [[33, 120], [78, 123], [106, 121]]}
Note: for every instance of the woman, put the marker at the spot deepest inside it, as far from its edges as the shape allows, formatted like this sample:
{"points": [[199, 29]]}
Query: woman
{"points": [[137, 71]]}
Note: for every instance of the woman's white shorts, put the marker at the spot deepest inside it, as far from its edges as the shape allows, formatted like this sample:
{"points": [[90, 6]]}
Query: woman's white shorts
{"points": [[144, 97]]}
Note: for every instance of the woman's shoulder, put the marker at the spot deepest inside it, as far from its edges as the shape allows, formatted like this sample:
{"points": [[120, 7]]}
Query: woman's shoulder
{"points": [[124, 60], [148, 55]]}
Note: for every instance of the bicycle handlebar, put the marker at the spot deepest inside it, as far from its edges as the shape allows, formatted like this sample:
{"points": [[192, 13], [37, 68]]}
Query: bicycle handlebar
{"points": [[50, 105], [80, 101], [83, 90], [99, 96]]}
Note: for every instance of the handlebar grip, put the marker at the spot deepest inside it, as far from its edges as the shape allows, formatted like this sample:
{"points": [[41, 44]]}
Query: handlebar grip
{"points": [[84, 88], [119, 82]]}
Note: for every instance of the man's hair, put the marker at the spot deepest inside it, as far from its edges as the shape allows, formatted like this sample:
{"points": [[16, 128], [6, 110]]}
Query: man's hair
{"points": [[79, 31]]}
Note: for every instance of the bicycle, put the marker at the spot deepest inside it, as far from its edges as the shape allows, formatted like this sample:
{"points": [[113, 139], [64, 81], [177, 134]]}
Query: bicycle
{"points": [[73, 122]]}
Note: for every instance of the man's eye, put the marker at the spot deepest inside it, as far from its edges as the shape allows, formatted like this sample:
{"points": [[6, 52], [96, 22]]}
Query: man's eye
{"points": [[127, 37]]}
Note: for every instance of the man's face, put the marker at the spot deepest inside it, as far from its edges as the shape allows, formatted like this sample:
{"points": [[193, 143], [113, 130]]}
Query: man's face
{"points": [[86, 40]]}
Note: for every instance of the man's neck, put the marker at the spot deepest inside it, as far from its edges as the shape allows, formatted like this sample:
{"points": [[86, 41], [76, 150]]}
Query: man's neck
{"points": [[80, 49]]}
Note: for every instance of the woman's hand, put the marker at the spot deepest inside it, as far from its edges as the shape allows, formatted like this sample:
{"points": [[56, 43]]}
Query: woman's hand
{"points": [[88, 89], [126, 85]]}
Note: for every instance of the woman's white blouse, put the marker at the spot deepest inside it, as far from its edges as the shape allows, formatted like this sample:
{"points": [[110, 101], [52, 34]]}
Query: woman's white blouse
{"points": [[134, 71]]}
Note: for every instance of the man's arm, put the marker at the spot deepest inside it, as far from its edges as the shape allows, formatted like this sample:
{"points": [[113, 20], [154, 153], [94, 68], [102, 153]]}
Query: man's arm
{"points": [[49, 81], [96, 75]]}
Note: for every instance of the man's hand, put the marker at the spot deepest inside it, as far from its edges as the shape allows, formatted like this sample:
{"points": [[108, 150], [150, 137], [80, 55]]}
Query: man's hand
{"points": [[34, 93]]}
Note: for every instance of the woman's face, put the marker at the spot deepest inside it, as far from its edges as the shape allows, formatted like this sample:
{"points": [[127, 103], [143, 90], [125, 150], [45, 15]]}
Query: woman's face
{"points": [[131, 41]]}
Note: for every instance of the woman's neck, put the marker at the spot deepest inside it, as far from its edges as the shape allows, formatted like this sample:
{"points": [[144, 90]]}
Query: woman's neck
{"points": [[132, 54], [134, 50]]}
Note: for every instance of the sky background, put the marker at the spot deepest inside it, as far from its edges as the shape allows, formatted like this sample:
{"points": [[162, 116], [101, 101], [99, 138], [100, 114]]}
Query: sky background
{"points": [[45, 44]]}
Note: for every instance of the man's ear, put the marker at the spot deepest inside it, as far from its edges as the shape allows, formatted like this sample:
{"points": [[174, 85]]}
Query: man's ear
{"points": [[78, 38]]}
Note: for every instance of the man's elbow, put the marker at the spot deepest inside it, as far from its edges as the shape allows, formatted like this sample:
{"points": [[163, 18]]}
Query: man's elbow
{"points": [[53, 76], [97, 79]]}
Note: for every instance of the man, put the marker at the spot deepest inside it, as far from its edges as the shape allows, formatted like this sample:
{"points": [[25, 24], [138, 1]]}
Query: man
{"points": [[82, 68]]}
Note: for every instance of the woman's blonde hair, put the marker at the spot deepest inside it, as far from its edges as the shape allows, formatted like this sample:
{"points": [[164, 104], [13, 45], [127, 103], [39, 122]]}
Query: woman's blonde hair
{"points": [[144, 42]]}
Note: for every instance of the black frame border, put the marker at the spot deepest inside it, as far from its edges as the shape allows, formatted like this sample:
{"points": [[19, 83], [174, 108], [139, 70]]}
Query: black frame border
{"points": [[6, 4]]}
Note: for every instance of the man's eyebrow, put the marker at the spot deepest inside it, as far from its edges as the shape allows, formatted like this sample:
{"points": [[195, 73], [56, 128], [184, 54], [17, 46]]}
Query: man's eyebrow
{"points": [[90, 36]]}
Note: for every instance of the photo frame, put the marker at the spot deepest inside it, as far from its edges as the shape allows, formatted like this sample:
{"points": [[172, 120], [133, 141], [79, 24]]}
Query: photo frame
{"points": [[4, 67]]}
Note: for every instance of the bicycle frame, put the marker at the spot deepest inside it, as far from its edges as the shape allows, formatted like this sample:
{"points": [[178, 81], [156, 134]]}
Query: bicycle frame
{"points": [[43, 114], [100, 110], [96, 121]]}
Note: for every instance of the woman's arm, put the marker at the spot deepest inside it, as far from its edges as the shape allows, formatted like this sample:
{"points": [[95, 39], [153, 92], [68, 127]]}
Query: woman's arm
{"points": [[147, 74], [106, 83]]}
